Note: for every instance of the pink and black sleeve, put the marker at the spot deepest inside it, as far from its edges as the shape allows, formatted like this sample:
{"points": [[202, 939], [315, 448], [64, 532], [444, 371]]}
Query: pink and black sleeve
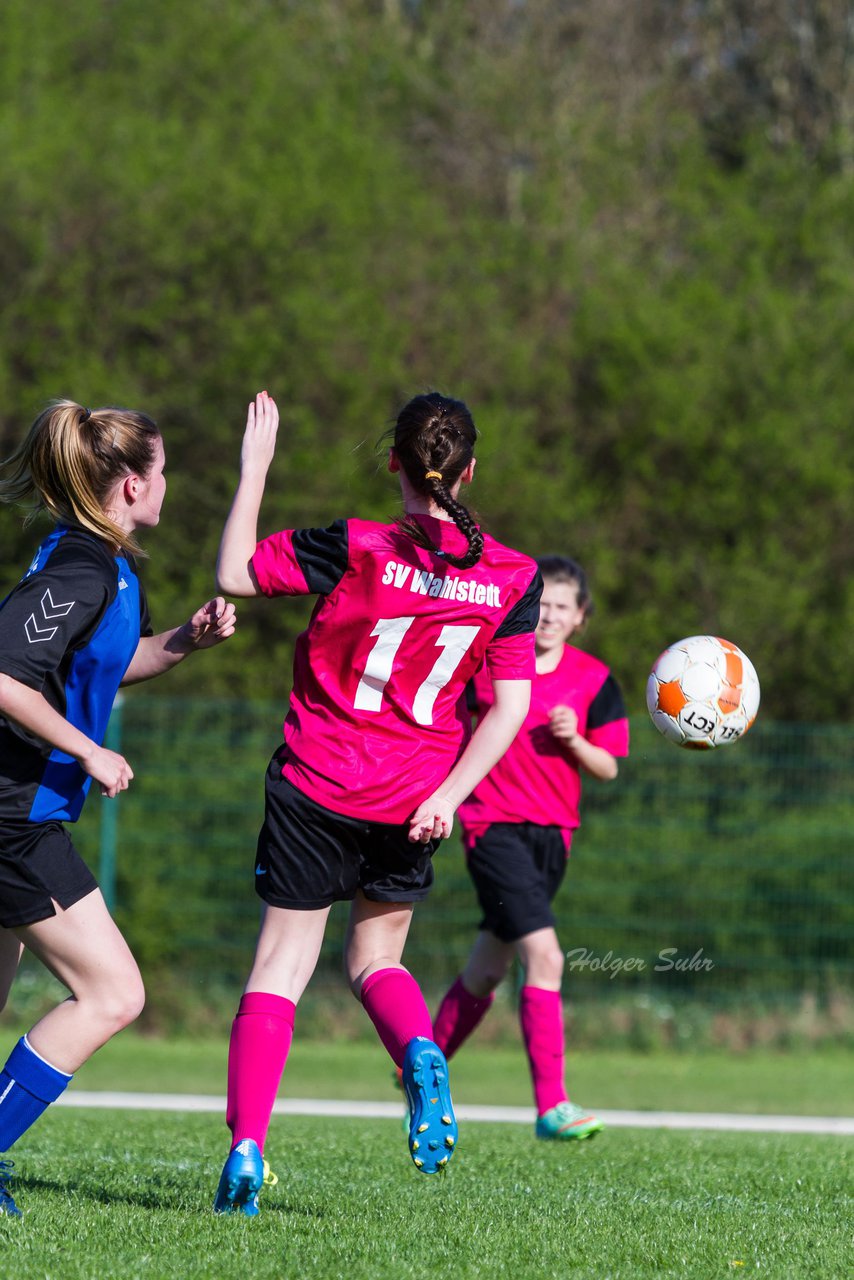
{"points": [[607, 721], [300, 562]]}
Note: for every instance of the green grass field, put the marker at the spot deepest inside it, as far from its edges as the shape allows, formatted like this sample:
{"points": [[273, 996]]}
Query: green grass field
{"points": [[126, 1195], [123, 1196]]}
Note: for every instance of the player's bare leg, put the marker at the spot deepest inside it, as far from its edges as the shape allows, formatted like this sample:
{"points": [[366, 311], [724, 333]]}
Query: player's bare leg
{"points": [[541, 958], [394, 1003], [469, 998], [10, 955], [288, 946], [376, 936], [11, 949], [487, 964], [286, 954], [83, 948]]}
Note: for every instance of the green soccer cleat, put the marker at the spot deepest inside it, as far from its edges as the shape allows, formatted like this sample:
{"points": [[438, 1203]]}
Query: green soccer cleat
{"points": [[566, 1122], [7, 1203]]}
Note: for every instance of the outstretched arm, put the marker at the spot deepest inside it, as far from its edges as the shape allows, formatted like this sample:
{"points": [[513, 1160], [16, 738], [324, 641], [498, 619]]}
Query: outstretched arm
{"points": [[434, 819], [209, 625], [234, 573]]}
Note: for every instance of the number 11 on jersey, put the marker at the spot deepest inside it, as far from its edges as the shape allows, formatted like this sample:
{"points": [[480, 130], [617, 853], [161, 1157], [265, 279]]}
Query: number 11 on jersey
{"points": [[454, 642]]}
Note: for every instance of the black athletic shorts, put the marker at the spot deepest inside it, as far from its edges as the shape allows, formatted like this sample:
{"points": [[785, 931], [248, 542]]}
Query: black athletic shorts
{"points": [[517, 868], [309, 857], [39, 865]]}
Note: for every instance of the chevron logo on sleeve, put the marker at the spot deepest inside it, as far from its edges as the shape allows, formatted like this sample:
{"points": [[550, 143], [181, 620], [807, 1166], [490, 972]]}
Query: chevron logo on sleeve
{"points": [[50, 612]]}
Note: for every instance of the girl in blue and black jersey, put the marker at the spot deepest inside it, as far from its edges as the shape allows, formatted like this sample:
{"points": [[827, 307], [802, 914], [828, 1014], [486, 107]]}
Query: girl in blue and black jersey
{"points": [[73, 630]]}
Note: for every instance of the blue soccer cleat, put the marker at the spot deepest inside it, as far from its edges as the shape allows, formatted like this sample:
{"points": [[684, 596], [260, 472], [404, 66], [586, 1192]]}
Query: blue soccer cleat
{"points": [[7, 1203], [432, 1126], [243, 1176]]}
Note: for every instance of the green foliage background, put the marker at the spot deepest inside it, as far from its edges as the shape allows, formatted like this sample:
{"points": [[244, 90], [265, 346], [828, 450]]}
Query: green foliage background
{"points": [[602, 230]]}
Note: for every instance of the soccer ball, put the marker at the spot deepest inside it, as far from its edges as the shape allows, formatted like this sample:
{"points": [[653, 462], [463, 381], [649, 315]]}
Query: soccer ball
{"points": [[703, 692]]}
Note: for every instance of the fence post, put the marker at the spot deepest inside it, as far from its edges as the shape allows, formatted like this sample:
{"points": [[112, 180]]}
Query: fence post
{"points": [[110, 814]]}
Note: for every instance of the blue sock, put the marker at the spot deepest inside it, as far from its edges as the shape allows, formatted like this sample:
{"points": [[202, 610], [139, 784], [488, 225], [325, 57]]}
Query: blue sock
{"points": [[28, 1085]]}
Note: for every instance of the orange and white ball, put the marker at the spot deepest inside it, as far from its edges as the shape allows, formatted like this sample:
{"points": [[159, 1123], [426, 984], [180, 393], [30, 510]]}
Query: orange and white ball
{"points": [[703, 692]]}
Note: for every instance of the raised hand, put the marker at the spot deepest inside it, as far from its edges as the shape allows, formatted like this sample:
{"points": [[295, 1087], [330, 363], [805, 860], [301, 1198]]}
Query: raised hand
{"points": [[259, 438]]}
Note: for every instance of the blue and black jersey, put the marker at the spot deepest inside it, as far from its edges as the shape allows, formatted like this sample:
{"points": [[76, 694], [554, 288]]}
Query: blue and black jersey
{"points": [[69, 629]]}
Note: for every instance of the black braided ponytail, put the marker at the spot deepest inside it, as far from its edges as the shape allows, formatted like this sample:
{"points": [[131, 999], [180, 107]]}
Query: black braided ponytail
{"points": [[434, 441]]}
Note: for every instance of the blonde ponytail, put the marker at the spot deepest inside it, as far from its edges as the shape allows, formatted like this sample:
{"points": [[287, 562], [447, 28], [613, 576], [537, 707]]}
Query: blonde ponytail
{"points": [[71, 460]]}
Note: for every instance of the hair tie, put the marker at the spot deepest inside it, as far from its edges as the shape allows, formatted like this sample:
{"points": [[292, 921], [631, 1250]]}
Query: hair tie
{"points": [[433, 475], [87, 414]]}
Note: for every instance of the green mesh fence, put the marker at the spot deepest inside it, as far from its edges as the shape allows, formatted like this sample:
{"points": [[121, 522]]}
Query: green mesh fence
{"points": [[725, 874]]}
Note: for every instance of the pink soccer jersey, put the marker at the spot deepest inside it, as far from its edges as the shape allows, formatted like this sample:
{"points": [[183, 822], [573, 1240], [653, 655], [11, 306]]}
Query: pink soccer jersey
{"points": [[377, 713], [538, 780]]}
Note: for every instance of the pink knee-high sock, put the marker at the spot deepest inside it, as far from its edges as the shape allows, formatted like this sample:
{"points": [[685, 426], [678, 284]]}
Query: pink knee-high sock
{"points": [[395, 1005], [459, 1014], [261, 1036], [541, 1016]]}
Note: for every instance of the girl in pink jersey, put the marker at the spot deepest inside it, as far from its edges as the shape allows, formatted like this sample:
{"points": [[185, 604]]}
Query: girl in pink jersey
{"points": [[376, 754], [517, 829]]}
